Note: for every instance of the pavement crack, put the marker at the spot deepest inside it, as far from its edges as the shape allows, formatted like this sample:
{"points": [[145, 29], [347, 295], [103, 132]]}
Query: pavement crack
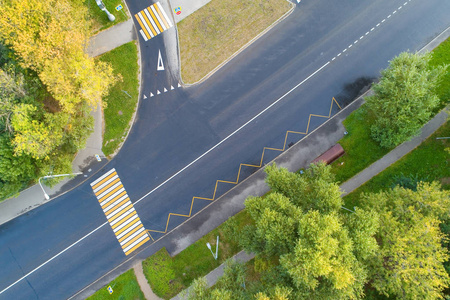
{"points": [[23, 273]]}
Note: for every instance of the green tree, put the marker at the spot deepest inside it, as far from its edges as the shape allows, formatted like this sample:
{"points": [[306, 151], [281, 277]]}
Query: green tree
{"points": [[304, 235], [409, 263], [404, 98]]}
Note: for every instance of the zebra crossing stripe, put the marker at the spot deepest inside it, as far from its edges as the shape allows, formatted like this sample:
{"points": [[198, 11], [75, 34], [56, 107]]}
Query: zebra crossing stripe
{"points": [[153, 21], [119, 211]]}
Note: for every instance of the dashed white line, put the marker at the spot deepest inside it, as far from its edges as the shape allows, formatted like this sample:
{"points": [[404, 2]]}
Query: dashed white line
{"points": [[372, 29], [399, 8], [384, 20], [361, 37], [350, 46], [367, 33], [333, 58], [355, 42], [389, 16], [339, 54]]}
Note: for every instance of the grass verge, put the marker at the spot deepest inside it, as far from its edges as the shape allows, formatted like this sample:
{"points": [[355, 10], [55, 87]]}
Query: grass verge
{"points": [[217, 30], [360, 149], [99, 18], [428, 162], [168, 276], [124, 287], [123, 96]]}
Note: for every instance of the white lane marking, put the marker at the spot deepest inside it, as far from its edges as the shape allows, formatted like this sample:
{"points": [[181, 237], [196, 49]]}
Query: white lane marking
{"points": [[361, 37], [399, 8], [145, 97], [372, 29], [151, 95], [344, 50], [350, 46], [233, 133], [405, 3], [389, 16], [355, 41], [384, 20], [367, 33], [49, 260], [339, 54], [333, 58]]}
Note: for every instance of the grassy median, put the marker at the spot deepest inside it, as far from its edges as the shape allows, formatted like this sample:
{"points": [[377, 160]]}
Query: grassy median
{"points": [[214, 32]]}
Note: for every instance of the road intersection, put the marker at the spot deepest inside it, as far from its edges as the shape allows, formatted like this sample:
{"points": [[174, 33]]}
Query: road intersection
{"points": [[190, 145]]}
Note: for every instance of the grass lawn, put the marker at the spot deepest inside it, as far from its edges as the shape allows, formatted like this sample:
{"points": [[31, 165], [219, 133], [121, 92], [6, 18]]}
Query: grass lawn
{"points": [[217, 30], [124, 287], [99, 18], [428, 162], [120, 106], [360, 149], [168, 276]]}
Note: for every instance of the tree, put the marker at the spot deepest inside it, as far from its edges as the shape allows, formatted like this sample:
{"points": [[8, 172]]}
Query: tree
{"points": [[409, 263], [303, 234], [49, 42], [404, 98]]}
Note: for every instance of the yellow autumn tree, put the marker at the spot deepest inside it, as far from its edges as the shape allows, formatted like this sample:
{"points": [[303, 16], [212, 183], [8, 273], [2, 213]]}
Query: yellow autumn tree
{"points": [[49, 36]]}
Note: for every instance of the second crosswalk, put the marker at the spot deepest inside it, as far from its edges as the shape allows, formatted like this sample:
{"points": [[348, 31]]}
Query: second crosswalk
{"points": [[153, 21]]}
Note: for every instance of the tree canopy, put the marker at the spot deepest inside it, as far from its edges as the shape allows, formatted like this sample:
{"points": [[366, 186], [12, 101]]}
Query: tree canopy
{"points": [[404, 98]]}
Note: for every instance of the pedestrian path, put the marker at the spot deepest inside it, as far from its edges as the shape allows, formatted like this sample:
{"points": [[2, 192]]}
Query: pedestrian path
{"points": [[120, 212], [153, 21], [143, 283]]}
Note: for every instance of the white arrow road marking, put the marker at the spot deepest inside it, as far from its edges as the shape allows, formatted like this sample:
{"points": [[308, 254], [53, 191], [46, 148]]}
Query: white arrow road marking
{"points": [[165, 90], [171, 87], [179, 85], [151, 94], [160, 62], [158, 92], [145, 97]]}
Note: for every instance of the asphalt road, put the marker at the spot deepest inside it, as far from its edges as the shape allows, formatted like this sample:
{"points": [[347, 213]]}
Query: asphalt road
{"points": [[274, 86]]}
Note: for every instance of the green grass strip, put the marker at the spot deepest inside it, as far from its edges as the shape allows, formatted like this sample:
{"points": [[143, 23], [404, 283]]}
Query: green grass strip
{"points": [[123, 96]]}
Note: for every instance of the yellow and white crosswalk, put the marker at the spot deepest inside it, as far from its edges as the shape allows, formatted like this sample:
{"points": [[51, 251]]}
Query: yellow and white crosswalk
{"points": [[120, 212], [153, 21]]}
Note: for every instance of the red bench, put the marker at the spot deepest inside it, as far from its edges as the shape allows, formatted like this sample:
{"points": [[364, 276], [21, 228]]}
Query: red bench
{"points": [[330, 155]]}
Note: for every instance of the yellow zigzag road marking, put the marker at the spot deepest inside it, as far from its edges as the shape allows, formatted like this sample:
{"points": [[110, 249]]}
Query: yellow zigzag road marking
{"points": [[333, 100]]}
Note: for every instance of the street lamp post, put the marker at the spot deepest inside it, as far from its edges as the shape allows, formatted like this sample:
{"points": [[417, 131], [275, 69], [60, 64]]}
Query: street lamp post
{"points": [[47, 197], [103, 7], [217, 248]]}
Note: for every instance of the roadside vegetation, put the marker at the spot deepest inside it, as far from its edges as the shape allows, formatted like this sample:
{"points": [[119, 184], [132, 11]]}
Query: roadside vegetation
{"points": [[99, 18], [360, 146], [124, 287], [48, 89], [308, 247], [123, 96], [216, 31], [168, 276]]}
